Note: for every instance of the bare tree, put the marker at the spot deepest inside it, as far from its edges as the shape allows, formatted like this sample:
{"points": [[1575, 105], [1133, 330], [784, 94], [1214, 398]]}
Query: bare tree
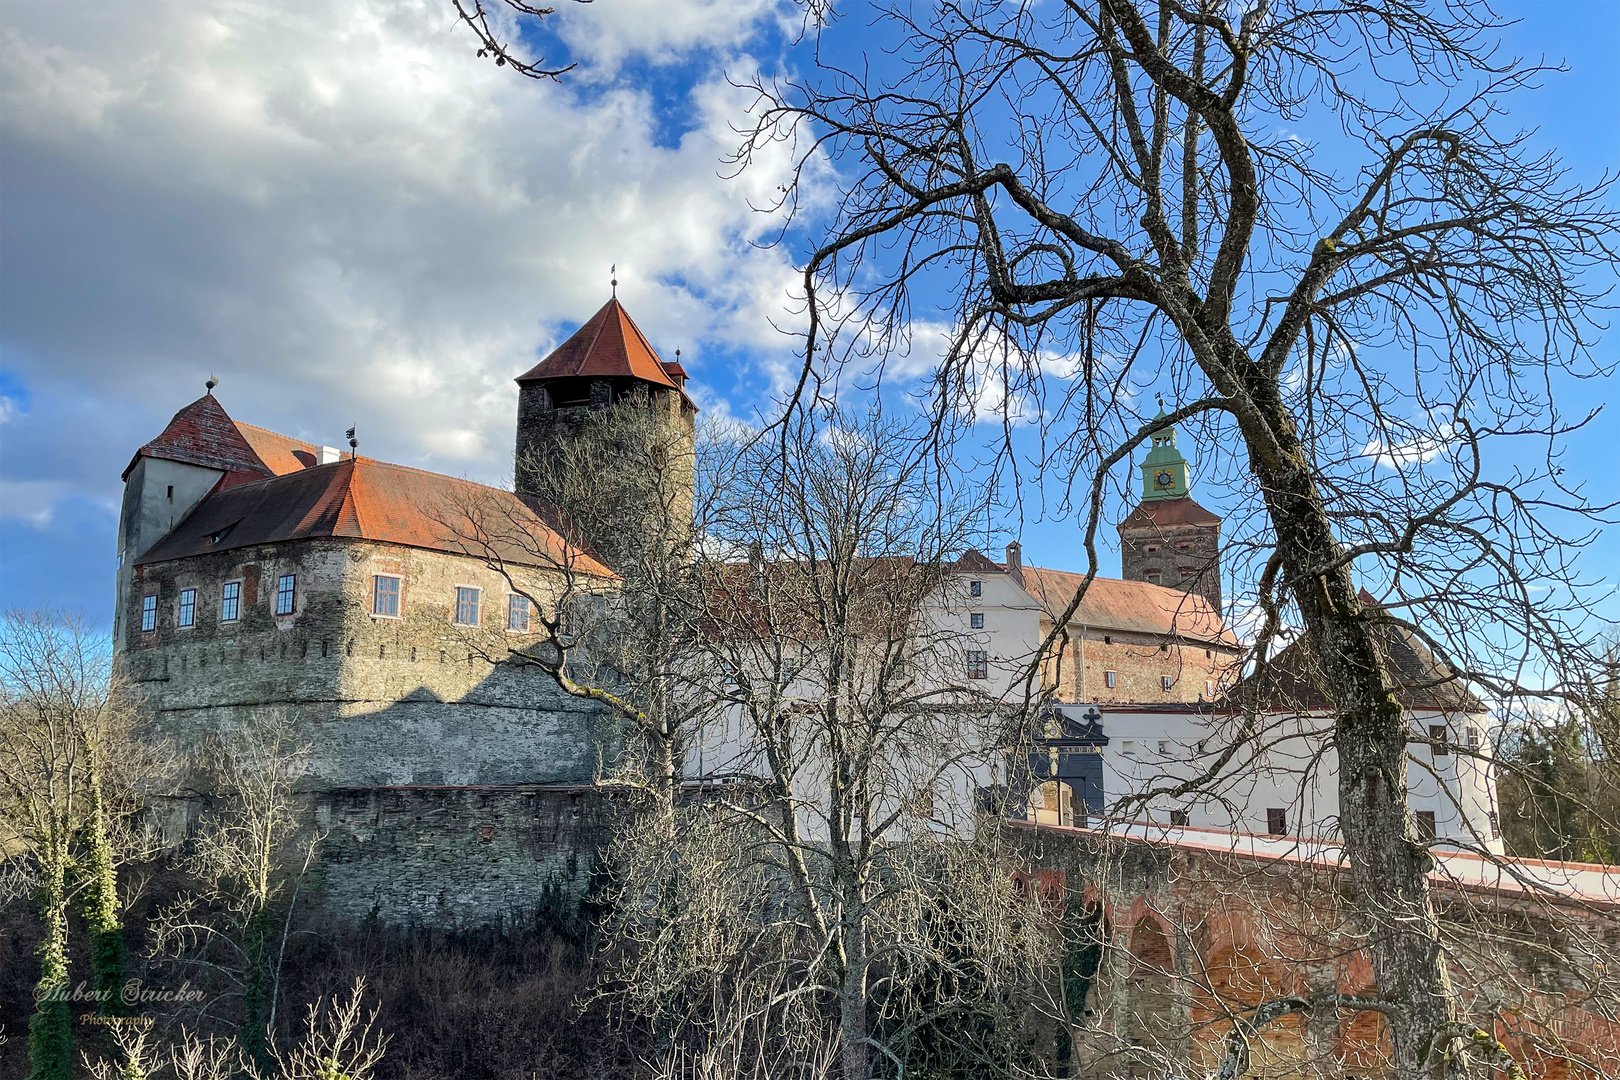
{"points": [[1113, 193], [824, 887], [250, 858], [339, 1040], [66, 750]]}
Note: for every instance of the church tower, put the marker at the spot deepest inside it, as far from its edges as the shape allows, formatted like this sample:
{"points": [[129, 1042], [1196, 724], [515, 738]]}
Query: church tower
{"points": [[1169, 539], [607, 364]]}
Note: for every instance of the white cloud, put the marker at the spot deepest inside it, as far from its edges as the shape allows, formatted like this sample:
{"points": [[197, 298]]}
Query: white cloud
{"points": [[1418, 450], [606, 34], [352, 220]]}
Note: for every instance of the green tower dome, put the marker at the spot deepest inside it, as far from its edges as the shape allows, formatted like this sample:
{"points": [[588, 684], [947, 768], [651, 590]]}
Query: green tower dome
{"points": [[1164, 471]]}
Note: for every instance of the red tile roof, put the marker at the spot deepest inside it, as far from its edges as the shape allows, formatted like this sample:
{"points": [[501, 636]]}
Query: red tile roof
{"points": [[975, 562], [609, 345], [281, 454], [372, 500], [1129, 605], [203, 434], [1181, 511]]}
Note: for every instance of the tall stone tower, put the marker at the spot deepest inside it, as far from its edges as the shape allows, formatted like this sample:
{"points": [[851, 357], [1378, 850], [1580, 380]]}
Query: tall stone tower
{"points": [[1169, 539], [607, 364]]}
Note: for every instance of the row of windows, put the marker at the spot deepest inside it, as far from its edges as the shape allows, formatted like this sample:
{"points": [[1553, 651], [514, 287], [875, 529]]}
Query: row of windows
{"points": [[385, 593], [230, 603], [1277, 822]]}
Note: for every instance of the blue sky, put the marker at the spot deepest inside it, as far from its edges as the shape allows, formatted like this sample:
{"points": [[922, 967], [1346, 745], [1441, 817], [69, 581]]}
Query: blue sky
{"points": [[351, 220]]}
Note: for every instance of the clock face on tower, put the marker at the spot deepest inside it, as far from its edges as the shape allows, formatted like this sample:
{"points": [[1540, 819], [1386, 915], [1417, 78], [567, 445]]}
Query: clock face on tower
{"points": [[1164, 479]]}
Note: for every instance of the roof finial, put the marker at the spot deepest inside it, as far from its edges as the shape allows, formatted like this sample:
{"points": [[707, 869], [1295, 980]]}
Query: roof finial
{"points": [[614, 280], [354, 443], [211, 383], [1161, 399]]}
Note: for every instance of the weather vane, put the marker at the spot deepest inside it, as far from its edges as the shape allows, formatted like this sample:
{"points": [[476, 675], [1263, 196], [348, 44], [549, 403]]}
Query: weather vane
{"points": [[212, 382], [354, 443], [614, 280]]}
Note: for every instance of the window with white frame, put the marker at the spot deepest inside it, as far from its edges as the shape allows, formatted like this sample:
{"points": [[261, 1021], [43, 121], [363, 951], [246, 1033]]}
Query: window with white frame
{"points": [[517, 614], [230, 601], [1110, 679], [149, 613], [1473, 737], [466, 605], [978, 664], [286, 593], [976, 620], [385, 595], [1164, 747], [1209, 688], [188, 608], [1166, 682]]}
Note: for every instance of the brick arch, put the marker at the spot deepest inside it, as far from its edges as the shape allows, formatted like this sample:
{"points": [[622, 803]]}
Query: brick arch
{"points": [[1151, 941], [1237, 974]]}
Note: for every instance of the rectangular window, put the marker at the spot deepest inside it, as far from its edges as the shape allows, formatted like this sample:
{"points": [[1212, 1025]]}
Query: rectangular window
{"points": [[975, 588], [149, 613], [1472, 734], [188, 607], [1110, 679], [286, 593], [1209, 688], [1437, 737], [1423, 821], [1166, 682], [1277, 821], [385, 595], [517, 614], [230, 601], [978, 665], [976, 620], [1496, 824], [1128, 746], [1153, 576], [466, 606], [1164, 747], [1180, 817]]}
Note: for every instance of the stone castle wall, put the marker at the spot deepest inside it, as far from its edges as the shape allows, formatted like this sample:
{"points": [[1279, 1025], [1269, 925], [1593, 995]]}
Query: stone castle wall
{"points": [[381, 701], [452, 791], [457, 857]]}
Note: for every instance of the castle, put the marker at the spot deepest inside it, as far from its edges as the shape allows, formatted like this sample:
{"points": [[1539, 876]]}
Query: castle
{"points": [[261, 573]]}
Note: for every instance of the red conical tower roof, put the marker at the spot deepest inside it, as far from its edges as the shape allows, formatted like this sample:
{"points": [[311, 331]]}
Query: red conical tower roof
{"points": [[609, 345]]}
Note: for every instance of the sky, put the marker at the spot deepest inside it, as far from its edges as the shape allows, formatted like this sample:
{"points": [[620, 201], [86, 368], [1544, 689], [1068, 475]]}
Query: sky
{"points": [[349, 219]]}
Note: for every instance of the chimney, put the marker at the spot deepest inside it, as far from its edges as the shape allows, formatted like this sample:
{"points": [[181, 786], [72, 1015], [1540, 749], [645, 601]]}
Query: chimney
{"points": [[1015, 561], [327, 455]]}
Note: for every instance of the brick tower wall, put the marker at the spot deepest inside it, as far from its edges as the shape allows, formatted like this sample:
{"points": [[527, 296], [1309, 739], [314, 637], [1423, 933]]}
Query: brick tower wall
{"points": [[1185, 557]]}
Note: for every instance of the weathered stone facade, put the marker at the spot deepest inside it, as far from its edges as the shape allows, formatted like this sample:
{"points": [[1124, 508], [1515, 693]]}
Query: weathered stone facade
{"points": [[1138, 664], [381, 700], [457, 857], [1177, 555]]}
